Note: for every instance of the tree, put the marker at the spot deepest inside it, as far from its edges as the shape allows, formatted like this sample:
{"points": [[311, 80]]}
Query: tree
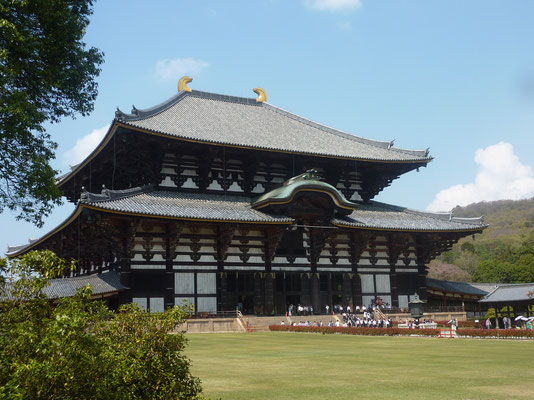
{"points": [[79, 349], [46, 73]]}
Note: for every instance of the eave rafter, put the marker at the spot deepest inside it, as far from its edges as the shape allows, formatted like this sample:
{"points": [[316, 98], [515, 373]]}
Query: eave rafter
{"points": [[225, 233], [271, 239]]}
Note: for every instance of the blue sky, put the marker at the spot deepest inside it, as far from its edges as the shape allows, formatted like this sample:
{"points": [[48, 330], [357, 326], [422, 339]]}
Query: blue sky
{"points": [[455, 76]]}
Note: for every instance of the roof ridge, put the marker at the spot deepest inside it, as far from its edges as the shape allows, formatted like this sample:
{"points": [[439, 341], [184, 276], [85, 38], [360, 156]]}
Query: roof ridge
{"points": [[110, 194], [388, 145], [140, 114]]}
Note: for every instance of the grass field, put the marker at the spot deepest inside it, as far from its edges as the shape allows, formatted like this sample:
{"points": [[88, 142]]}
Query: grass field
{"points": [[278, 365]]}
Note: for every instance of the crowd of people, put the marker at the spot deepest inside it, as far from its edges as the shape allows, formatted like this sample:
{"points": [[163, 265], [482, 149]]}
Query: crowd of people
{"points": [[305, 310], [367, 321], [349, 320], [361, 316]]}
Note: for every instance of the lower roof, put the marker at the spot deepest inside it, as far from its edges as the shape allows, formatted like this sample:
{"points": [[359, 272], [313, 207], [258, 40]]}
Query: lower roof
{"points": [[383, 216], [150, 202]]}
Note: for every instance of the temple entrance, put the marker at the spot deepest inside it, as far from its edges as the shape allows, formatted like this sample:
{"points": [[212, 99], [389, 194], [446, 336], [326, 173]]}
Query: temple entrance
{"points": [[337, 299], [292, 299], [245, 304]]}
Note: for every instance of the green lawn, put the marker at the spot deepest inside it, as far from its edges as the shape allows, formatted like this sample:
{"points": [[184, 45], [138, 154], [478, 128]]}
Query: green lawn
{"points": [[279, 365]]}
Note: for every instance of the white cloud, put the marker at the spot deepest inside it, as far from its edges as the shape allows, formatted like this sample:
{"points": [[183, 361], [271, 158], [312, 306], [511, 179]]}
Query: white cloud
{"points": [[500, 176], [84, 146], [174, 69], [333, 5]]}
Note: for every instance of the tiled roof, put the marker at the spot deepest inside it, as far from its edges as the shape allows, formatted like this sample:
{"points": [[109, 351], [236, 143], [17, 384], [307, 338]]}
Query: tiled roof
{"points": [[101, 284], [147, 201], [385, 216], [455, 287], [108, 282], [504, 293], [219, 119]]}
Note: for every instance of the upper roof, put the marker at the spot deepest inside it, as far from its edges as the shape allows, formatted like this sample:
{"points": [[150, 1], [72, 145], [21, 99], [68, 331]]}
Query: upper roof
{"points": [[505, 293], [192, 206], [377, 215], [458, 287], [244, 122]]}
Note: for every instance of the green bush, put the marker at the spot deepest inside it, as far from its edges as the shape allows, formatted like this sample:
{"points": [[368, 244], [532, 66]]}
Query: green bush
{"points": [[78, 349]]}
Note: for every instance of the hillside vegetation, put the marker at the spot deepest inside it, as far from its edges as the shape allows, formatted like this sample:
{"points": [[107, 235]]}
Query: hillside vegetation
{"points": [[504, 253]]}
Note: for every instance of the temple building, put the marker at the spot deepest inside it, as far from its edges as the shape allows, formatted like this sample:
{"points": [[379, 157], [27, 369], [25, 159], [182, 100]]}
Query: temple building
{"points": [[227, 202]]}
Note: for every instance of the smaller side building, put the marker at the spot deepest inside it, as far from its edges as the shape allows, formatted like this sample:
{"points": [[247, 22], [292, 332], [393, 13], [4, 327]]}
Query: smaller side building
{"points": [[449, 296], [511, 300]]}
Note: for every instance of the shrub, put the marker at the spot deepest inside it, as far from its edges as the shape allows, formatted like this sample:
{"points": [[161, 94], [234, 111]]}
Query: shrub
{"points": [[81, 350], [355, 330], [461, 324]]}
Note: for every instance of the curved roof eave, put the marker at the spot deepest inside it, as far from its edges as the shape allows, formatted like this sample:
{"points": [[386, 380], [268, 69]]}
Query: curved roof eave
{"points": [[413, 230], [18, 250]]}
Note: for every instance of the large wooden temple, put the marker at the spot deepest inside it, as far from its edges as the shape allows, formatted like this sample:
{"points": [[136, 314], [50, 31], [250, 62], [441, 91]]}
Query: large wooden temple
{"points": [[229, 202]]}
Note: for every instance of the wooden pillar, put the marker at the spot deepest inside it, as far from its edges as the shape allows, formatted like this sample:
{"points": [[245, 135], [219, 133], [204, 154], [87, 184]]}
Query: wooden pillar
{"points": [[347, 291], [168, 299], [329, 300], [222, 293], [269, 294], [393, 286], [258, 298], [315, 295], [356, 290], [305, 298], [421, 282]]}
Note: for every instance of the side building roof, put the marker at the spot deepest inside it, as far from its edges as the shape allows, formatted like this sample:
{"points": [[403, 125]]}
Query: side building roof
{"points": [[458, 287], [505, 293], [102, 285]]}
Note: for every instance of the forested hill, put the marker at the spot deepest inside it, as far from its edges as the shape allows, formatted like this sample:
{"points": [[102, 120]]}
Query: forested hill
{"points": [[506, 217], [503, 253]]}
